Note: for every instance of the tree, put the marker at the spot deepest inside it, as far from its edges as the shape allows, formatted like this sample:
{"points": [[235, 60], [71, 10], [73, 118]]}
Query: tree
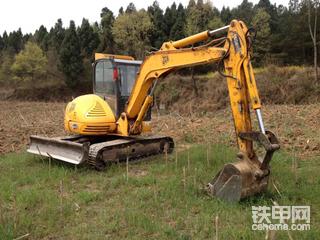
{"points": [[26, 38], [226, 15], [266, 5], [15, 41], [131, 8], [57, 35], [199, 15], [132, 31], [178, 29], [120, 11], [244, 12], [42, 37], [193, 18], [215, 23], [1, 43], [169, 19], [5, 39], [313, 6], [6, 59], [5, 67], [261, 23], [106, 37], [272, 11], [294, 6], [292, 36], [157, 36], [70, 56], [89, 39], [30, 63]]}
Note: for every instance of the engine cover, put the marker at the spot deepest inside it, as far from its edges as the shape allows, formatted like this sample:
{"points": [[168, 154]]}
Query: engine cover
{"points": [[89, 115]]}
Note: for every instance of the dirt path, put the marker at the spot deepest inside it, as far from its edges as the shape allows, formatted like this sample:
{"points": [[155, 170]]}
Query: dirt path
{"points": [[298, 127]]}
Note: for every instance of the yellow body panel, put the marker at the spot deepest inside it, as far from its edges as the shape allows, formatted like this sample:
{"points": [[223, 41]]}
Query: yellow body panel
{"points": [[98, 56], [146, 127], [241, 83], [191, 40], [89, 115], [123, 125]]}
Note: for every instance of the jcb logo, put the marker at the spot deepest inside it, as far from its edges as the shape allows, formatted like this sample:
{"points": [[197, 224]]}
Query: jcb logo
{"points": [[165, 59]]}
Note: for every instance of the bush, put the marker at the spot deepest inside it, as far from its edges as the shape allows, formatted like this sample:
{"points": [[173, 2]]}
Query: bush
{"points": [[30, 64]]}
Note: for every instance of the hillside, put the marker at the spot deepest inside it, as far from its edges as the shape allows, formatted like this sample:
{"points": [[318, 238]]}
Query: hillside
{"points": [[277, 85]]}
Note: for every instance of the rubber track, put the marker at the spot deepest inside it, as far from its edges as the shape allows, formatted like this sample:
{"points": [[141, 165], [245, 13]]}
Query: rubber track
{"points": [[96, 150]]}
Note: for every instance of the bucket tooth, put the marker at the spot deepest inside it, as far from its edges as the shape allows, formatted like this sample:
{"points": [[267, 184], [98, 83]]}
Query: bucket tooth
{"points": [[238, 180], [227, 184]]}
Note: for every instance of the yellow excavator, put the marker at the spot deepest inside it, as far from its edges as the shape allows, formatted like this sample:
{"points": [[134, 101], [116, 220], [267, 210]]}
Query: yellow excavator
{"points": [[109, 125]]}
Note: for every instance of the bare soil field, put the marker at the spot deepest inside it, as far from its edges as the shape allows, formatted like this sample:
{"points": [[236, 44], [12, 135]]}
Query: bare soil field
{"points": [[159, 199], [297, 126]]}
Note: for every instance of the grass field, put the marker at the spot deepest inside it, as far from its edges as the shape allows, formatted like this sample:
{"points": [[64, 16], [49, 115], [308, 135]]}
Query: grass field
{"points": [[159, 199]]}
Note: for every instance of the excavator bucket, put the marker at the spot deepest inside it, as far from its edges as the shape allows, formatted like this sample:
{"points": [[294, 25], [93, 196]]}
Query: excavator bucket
{"points": [[248, 176]]}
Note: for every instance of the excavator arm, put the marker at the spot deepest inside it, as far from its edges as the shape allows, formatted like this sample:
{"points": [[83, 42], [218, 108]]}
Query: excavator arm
{"points": [[156, 65], [250, 174], [175, 55]]}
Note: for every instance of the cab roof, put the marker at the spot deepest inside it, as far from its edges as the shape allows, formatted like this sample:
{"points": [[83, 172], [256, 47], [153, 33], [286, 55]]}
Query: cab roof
{"points": [[117, 58]]}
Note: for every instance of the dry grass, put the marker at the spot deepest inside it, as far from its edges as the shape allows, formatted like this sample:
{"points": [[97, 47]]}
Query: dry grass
{"points": [[296, 126], [277, 85], [19, 120]]}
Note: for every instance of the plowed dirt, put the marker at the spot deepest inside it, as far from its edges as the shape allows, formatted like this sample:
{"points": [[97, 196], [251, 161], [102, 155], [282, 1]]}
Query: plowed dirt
{"points": [[297, 126]]}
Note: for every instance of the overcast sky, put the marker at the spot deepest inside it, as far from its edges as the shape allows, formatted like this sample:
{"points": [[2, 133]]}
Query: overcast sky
{"points": [[30, 14]]}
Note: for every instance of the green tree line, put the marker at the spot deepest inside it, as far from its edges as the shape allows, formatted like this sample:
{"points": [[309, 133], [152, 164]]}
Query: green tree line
{"points": [[283, 37]]}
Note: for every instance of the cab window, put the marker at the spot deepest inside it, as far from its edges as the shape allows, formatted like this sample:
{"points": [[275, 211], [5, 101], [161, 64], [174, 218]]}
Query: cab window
{"points": [[128, 75], [104, 78]]}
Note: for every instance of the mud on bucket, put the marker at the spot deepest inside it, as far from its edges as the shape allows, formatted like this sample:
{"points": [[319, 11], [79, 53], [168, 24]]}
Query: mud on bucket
{"points": [[239, 180]]}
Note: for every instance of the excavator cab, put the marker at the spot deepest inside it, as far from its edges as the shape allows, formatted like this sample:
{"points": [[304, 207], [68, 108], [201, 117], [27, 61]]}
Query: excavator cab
{"points": [[113, 79]]}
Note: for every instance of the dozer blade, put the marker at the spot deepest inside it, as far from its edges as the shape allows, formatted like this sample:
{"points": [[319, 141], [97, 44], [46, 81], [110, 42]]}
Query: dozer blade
{"points": [[248, 176], [64, 149]]}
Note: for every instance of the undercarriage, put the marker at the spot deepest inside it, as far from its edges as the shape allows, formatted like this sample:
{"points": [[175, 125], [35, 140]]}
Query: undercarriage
{"points": [[101, 151]]}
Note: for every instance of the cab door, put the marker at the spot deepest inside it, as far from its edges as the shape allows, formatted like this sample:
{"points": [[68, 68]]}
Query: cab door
{"points": [[114, 80], [127, 71], [104, 82]]}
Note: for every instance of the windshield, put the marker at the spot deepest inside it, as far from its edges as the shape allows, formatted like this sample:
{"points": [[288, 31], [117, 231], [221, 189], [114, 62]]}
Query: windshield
{"points": [[128, 75], [104, 78]]}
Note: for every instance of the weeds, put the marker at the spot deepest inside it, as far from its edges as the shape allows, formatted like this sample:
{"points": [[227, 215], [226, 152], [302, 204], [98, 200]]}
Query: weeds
{"points": [[167, 201]]}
